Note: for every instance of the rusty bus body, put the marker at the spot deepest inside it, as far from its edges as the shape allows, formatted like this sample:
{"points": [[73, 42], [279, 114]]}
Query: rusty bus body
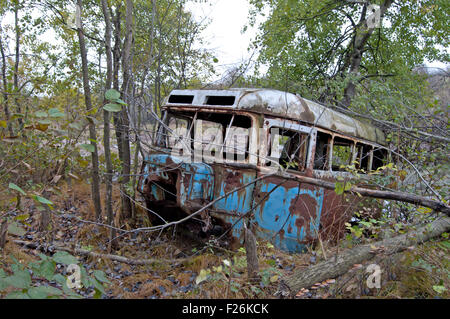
{"points": [[195, 163]]}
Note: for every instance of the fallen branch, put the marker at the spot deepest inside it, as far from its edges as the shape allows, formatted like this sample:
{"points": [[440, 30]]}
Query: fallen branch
{"points": [[390, 195], [340, 264], [84, 252]]}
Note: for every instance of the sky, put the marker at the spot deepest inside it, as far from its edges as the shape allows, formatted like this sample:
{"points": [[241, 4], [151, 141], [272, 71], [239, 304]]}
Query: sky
{"points": [[223, 34]]}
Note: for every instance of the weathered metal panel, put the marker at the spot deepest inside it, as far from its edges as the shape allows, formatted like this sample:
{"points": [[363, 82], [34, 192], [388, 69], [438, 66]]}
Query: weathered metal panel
{"points": [[237, 203], [289, 214], [287, 105]]}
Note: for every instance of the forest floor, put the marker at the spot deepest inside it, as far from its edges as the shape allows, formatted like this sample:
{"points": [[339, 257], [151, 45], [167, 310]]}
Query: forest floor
{"points": [[186, 267]]}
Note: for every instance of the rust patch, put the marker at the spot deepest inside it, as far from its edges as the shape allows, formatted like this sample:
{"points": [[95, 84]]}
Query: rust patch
{"points": [[232, 181], [304, 207], [307, 115], [335, 213]]}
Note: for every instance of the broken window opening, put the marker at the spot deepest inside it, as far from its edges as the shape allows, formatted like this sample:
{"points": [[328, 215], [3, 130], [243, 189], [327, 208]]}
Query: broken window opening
{"points": [[220, 100], [289, 148], [215, 135], [177, 135], [182, 99], [342, 153], [321, 156], [379, 158], [362, 156]]}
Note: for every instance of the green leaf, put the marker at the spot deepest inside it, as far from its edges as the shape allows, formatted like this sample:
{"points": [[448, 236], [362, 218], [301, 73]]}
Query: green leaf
{"points": [[60, 279], [445, 244], [339, 188], [3, 284], [22, 217], [17, 116], [100, 275], [112, 107], [97, 294], [20, 279], [42, 200], [17, 188], [47, 269], [439, 289], [43, 257], [41, 114], [85, 279], [348, 186], [88, 147], [112, 95], [45, 122], [121, 102], [65, 258], [76, 125], [98, 286], [17, 295], [54, 112], [15, 229], [43, 292]]}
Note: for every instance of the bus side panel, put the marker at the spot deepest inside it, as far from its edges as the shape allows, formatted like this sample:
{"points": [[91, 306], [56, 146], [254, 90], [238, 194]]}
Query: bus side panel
{"points": [[236, 203], [288, 213]]}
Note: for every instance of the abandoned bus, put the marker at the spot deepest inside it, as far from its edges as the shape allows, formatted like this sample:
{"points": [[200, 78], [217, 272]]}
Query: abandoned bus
{"points": [[230, 150]]}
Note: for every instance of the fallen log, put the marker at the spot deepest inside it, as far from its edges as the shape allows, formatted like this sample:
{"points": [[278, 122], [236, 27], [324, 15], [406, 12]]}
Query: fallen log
{"points": [[84, 252], [340, 264]]}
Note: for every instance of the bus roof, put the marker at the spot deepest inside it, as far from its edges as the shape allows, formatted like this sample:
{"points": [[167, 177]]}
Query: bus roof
{"points": [[277, 103]]}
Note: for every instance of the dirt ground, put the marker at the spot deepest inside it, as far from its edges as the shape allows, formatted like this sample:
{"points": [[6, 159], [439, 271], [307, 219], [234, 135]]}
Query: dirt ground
{"points": [[182, 260]]}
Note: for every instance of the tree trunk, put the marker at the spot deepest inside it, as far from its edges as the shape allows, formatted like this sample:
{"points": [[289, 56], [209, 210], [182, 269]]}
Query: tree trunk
{"points": [[16, 63], [356, 49], [116, 68], [340, 264], [3, 233], [5, 86], [106, 122], [87, 97], [126, 89]]}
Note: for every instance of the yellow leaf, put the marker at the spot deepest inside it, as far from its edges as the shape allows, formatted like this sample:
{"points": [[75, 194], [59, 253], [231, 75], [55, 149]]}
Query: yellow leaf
{"points": [[41, 127], [274, 278], [202, 276]]}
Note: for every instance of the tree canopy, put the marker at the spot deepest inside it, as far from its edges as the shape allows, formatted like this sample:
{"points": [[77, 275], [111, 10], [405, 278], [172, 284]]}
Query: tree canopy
{"points": [[329, 50]]}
